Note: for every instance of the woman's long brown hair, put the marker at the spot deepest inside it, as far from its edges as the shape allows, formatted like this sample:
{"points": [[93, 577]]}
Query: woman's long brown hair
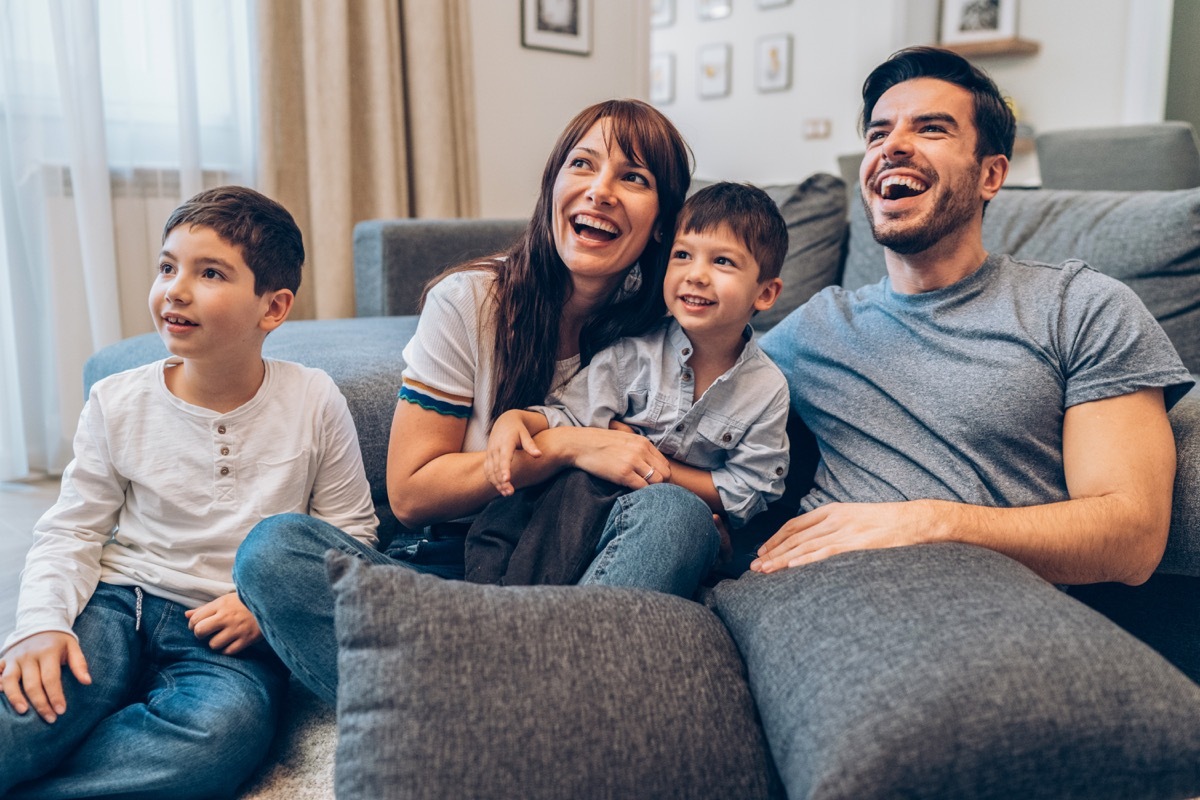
{"points": [[533, 284]]}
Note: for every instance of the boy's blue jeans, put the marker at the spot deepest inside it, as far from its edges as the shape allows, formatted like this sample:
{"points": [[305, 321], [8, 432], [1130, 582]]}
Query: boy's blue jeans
{"points": [[164, 716], [661, 537]]}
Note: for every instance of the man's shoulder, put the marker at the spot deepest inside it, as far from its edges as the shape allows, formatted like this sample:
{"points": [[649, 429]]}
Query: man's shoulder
{"points": [[1040, 278]]}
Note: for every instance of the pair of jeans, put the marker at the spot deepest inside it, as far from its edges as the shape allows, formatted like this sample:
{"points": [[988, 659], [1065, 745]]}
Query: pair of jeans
{"points": [[661, 537], [164, 716]]}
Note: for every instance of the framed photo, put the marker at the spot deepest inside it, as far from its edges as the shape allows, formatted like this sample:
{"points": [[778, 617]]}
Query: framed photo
{"points": [[773, 3], [773, 63], [713, 62], [561, 25], [965, 21], [662, 78], [714, 9], [662, 13]]}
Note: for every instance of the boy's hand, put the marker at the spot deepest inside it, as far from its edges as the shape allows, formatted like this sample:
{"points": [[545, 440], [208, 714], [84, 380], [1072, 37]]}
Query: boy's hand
{"points": [[36, 664], [509, 434], [226, 623]]}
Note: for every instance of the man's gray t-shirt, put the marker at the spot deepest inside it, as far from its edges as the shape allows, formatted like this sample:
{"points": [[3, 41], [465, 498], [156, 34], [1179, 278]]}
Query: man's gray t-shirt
{"points": [[959, 394]]}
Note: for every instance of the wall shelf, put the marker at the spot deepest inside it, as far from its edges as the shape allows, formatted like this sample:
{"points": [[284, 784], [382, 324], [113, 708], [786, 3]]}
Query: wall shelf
{"points": [[998, 47]]}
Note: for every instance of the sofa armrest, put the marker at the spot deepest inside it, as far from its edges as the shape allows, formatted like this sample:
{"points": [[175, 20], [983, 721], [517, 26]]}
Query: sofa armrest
{"points": [[395, 258], [1183, 546]]}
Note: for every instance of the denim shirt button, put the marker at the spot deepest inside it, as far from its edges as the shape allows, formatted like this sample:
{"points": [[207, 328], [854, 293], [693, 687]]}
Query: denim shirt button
{"points": [[687, 351], [687, 374], [779, 470], [679, 428], [726, 438]]}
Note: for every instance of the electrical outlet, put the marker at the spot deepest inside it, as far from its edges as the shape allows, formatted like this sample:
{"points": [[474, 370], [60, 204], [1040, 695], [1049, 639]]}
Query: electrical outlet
{"points": [[818, 128]]}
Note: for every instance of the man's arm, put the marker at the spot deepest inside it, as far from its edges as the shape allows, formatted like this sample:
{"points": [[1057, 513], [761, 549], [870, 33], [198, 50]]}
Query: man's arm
{"points": [[1119, 462]]}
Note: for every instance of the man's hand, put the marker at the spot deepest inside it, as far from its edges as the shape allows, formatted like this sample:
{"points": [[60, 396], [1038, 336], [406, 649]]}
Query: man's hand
{"points": [[509, 434], [845, 527], [35, 664], [226, 623]]}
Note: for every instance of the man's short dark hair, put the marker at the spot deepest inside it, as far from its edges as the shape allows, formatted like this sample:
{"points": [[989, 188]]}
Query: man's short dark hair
{"points": [[270, 241], [750, 213], [994, 122]]}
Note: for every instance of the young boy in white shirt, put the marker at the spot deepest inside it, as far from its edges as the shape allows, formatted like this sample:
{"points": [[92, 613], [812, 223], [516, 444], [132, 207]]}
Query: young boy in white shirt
{"points": [[167, 690], [698, 386]]}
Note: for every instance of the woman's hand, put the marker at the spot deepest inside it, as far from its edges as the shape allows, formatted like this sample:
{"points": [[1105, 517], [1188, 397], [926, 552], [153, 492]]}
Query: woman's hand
{"points": [[626, 459], [226, 623], [35, 664]]}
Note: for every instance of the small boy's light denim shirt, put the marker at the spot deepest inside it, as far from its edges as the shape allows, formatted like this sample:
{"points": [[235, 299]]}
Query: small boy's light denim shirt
{"points": [[736, 430]]}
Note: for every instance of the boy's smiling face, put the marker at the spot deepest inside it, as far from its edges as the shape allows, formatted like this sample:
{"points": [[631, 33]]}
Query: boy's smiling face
{"points": [[712, 284], [203, 301]]}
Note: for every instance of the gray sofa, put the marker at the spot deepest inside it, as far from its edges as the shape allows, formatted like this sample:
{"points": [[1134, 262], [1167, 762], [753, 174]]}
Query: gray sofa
{"points": [[458, 690]]}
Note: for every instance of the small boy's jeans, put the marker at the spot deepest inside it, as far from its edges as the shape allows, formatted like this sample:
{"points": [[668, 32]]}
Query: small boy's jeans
{"points": [[164, 716], [661, 537]]}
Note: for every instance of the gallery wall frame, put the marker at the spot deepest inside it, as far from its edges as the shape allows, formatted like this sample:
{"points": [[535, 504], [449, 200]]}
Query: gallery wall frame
{"points": [[662, 78], [564, 26], [712, 61], [971, 21], [714, 9], [773, 63], [662, 13]]}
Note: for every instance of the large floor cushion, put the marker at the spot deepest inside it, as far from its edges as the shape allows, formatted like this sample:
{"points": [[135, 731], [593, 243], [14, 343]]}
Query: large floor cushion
{"points": [[948, 670], [453, 689]]}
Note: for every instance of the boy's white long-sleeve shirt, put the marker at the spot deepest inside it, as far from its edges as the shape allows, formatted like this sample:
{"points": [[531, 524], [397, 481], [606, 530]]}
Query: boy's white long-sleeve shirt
{"points": [[161, 493]]}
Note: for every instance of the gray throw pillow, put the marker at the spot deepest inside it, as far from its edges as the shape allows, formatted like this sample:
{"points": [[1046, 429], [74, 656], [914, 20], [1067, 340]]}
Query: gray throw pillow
{"points": [[949, 670], [452, 689], [815, 213], [1148, 240]]}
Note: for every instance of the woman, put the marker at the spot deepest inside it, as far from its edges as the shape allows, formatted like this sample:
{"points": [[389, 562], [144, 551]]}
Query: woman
{"points": [[500, 333]]}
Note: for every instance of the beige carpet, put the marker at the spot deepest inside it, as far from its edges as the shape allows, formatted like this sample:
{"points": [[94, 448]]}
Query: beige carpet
{"points": [[300, 764]]}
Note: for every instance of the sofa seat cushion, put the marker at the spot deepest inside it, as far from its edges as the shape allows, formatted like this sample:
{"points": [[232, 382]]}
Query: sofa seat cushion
{"points": [[1148, 240], [952, 671], [815, 213], [452, 689]]}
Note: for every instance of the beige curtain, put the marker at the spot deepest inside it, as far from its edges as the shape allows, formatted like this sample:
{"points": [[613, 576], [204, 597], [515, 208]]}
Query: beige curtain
{"points": [[366, 111]]}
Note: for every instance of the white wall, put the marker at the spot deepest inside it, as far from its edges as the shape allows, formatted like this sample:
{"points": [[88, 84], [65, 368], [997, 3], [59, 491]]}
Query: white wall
{"points": [[524, 98], [1102, 62]]}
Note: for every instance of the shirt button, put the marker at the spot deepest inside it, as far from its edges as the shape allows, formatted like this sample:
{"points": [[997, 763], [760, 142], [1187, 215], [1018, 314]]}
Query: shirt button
{"points": [[224, 451], [726, 438], [224, 470], [220, 429], [687, 351], [687, 374], [779, 470], [679, 428]]}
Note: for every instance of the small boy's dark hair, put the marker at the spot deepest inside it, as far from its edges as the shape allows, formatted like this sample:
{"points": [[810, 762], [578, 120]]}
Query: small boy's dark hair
{"points": [[270, 241], [749, 212]]}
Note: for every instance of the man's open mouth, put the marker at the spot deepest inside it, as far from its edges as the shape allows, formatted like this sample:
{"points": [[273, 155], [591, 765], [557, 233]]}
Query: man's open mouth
{"points": [[896, 187], [589, 227]]}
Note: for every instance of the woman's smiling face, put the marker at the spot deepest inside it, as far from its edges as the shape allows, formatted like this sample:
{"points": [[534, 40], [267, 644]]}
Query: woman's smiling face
{"points": [[605, 209]]}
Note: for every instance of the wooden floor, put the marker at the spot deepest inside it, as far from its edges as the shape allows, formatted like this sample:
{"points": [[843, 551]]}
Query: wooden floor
{"points": [[20, 506]]}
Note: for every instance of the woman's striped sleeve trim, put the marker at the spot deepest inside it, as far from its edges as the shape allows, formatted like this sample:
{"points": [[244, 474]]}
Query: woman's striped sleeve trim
{"points": [[448, 408]]}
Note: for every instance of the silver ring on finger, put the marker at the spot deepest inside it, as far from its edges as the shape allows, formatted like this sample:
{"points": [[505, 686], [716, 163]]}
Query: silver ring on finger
{"points": [[649, 474]]}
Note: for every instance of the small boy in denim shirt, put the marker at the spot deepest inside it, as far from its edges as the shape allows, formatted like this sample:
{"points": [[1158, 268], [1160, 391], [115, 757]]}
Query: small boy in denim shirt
{"points": [[698, 386]]}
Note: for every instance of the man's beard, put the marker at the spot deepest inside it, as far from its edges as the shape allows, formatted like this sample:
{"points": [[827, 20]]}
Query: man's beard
{"points": [[956, 207]]}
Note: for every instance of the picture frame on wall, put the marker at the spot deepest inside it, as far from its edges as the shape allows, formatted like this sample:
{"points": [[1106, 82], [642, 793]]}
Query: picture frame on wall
{"points": [[773, 63], [714, 9], [662, 13], [713, 67], [564, 26], [662, 78], [967, 21]]}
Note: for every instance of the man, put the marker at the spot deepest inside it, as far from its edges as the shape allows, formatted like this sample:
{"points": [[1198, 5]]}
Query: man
{"points": [[1017, 406], [974, 414]]}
